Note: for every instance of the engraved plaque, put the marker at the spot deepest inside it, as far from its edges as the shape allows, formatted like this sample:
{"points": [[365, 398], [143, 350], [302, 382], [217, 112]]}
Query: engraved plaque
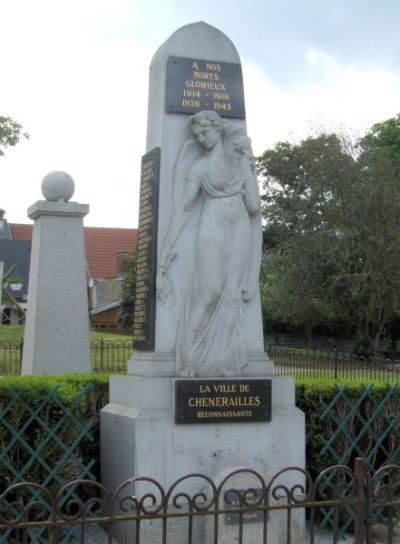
{"points": [[232, 499], [194, 85], [222, 401], [145, 297]]}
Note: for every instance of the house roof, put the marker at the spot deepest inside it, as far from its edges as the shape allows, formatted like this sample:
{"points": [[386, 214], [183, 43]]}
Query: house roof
{"points": [[102, 246], [104, 307], [20, 231]]}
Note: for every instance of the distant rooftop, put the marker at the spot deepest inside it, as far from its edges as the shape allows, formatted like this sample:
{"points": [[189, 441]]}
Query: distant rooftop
{"points": [[102, 246]]}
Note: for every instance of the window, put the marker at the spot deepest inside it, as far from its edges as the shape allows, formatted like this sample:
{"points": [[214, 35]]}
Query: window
{"points": [[122, 262]]}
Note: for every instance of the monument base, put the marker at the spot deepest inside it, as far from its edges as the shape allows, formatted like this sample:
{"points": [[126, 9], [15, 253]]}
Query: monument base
{"points": [[162, 364], [139, 437]]}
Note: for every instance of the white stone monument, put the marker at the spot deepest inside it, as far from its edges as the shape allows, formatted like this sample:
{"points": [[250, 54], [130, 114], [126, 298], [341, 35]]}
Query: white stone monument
{"points": [[197, 394], [56, 339]]}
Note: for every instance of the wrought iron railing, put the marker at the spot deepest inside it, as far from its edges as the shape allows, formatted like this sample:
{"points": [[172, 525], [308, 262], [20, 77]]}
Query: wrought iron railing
{"points": [[106, 355], [332, 365], [112, 356], [10, 357], [244, 507]]}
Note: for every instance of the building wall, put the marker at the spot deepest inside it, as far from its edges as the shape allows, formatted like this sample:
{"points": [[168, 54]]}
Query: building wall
{"points": [[104, 320]]}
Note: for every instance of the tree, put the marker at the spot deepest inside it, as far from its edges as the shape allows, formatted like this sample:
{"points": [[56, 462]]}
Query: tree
{"points": [[304, 186], [384, 139], [333, 210], [125, 313], [10, 133]]}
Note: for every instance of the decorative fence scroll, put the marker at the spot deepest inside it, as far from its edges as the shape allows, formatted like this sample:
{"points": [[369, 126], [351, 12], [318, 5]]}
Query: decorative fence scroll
{"points": [[196, 509]]}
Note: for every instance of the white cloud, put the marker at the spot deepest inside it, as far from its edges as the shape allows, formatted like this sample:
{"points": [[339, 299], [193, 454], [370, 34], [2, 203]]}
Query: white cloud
{"points": [[75, 74], [84, 103], [334, 95]]}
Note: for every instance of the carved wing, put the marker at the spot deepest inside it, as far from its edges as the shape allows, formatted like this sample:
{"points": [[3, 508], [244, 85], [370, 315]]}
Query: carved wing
{"points": [[190, 152]]}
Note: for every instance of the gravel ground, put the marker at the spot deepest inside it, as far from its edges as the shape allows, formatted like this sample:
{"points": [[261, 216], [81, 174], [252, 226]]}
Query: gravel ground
{"points": [[96, 535], [324, 536]]}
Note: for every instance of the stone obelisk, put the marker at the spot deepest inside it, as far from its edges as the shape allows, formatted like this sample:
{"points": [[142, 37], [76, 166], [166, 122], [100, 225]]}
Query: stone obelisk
{"points": [[200, 395]]}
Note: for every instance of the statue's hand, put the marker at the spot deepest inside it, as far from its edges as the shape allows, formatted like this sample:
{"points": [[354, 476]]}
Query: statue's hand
{"points": [[163, 289], [168, 260], [163, 283]]}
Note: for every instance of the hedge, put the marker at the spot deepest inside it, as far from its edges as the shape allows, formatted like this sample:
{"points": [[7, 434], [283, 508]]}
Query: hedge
{"points": [[361, 420], [49, 428], [311, 397]]}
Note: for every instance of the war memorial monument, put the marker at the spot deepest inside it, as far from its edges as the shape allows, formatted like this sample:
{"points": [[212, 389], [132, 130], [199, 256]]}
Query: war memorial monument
{"points": [[199, 395]]}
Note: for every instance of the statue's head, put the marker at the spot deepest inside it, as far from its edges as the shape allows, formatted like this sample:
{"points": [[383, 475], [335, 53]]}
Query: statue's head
{"points": [[207, 127]]}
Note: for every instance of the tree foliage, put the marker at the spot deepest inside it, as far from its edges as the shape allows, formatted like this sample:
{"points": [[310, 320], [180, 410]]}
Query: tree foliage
{"points": [[384, 138], [10, 133], [125, 313], [332, 214]]}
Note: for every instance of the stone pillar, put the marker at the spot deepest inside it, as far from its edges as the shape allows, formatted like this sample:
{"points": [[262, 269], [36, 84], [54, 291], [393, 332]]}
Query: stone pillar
{"points": [[169, 131], [56, 337]]}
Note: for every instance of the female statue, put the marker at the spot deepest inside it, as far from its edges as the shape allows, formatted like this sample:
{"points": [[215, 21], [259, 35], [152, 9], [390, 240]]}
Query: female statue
{"points": [[217, 169]]}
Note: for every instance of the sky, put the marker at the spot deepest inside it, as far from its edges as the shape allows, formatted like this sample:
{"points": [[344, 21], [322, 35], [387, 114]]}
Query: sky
{"points": [[74, 74]]}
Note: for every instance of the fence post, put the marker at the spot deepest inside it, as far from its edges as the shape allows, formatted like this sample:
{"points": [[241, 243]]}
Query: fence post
{"points": [[21, 353], [359, 510], [101, 353], [336, 364]]}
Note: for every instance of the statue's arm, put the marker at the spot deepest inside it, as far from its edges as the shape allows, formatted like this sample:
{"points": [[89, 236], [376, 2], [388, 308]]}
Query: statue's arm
{"points": [[250, 188], [179, 217], [251, 196]]}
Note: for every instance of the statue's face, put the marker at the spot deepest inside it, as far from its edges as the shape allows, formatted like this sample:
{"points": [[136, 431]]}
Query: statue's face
{"points": [[207, 135]]}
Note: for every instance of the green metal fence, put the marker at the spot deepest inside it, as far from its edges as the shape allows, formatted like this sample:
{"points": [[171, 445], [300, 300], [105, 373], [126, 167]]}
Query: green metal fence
{"points": [[46, 439], [363, 426]]}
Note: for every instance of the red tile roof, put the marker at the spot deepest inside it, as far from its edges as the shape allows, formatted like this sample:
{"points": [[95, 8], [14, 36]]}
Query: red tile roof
{"points": [[102, 245], [20, 231]]}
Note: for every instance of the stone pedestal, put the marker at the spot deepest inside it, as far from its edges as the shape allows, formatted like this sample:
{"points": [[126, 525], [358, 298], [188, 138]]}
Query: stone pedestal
{"points": [[56, 337], [140, 438], [141, 420]]}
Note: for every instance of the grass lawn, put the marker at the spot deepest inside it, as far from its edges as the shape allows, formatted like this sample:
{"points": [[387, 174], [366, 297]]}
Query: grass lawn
{"points": [[15, 333], [12, 333]]}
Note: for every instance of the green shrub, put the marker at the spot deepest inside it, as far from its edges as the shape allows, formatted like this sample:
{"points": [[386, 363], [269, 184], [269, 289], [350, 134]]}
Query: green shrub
{"points": [[49, 428], [30, 406], [359, 421]]}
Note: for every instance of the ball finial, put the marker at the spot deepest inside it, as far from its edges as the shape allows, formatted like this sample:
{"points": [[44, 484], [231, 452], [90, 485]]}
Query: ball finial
{"points": [[58, 186]]}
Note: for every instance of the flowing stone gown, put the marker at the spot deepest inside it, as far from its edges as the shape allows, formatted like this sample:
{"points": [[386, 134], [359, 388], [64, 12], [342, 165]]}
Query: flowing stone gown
{"points": [[227, 248]]}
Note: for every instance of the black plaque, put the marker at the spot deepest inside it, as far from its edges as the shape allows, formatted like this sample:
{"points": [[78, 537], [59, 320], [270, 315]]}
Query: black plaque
{"points": [[237, 498], [222, 401], [194, 85], [145, 293]]}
